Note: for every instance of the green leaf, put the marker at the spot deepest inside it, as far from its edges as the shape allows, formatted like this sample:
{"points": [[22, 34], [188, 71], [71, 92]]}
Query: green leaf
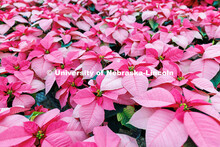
{"points": [[125, 116], [112, 45], [153, 24], [103, 17], [214, 42], [34, 115], [34, 95], [191, 45], [216, 4], [92, 8], [3, 75], [216, 79], [120, 116], [182, 18], [27, 116], [129, 111], [118, 109], [201, 32], [66, 45], [169, 22], [101, 73]]}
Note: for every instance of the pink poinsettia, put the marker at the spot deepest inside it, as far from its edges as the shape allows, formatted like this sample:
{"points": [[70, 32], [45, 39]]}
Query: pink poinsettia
{"points": [[166, 33], [24, 32], [127, 42], [41, 63], [47, 19], [27, 37], [70, 62], [5, 112], [149, 38], [46, 130], [202, 64], [114, 29], [65, 35], [186, 32], [11, 120], [74, 128], [103, 136], [83, 19], [97, 93], [160, 52], [195, 50], [83, 45], [48, 49], [211, 25], [133, 83], [135, 43], [69, 87], [190, 101], [38, 109], [9, 19], [6, 46], [184, 119], [177, 78], [94, 100], [212, 52], [208, 68], [13, 93], [204, 84], [19, 67], [92, 60]]}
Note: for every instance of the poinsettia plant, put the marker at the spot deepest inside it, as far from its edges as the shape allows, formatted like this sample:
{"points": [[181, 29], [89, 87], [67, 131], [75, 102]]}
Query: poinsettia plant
{"points": [[103, 73]]}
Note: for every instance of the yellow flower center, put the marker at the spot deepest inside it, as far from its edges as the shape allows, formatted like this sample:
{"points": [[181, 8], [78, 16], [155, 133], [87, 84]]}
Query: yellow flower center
{"points": [[180, 78], [185, 106], [9, 92], [40, 134], [62, 66], [17, 67], [99, 93], [47, 52], [131, 68], [161, 58], [101, 56], [73, 84]]}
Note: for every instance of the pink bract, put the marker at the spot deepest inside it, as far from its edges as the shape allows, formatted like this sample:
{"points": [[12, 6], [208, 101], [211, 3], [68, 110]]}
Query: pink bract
{"points": [[102, 73]]}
